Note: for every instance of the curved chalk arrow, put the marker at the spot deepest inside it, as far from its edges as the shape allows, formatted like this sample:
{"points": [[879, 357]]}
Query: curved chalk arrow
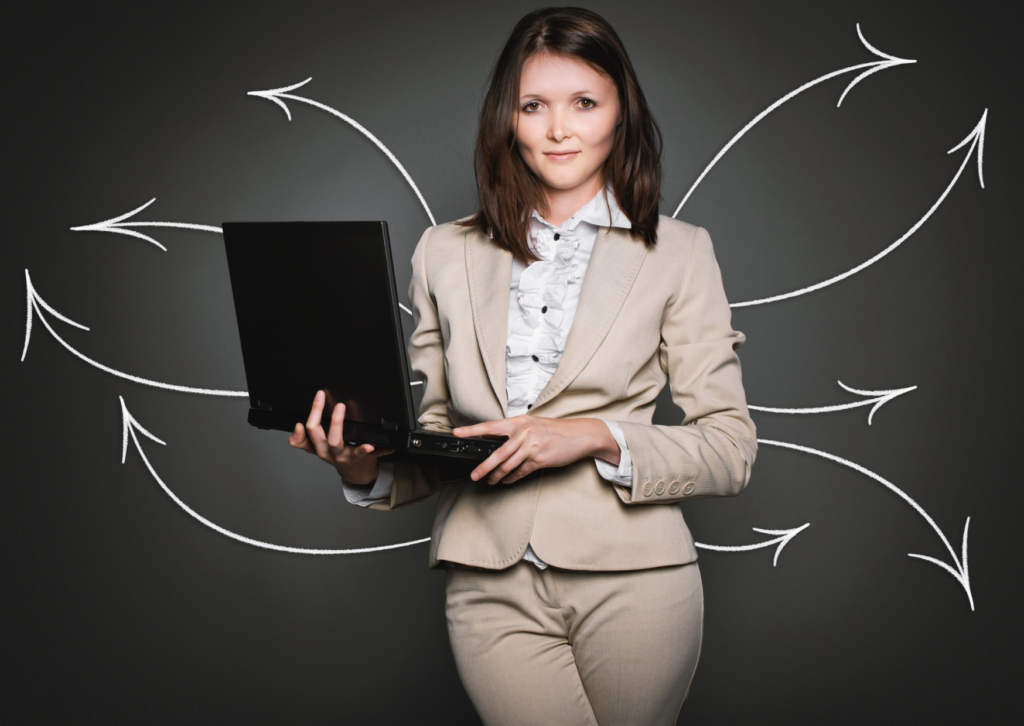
{"points": [[130, 426], [882, 397], [785, 535], [888, 61], [961, 571], [976, 139], [276, 94], [117, 225], [37, 304]]}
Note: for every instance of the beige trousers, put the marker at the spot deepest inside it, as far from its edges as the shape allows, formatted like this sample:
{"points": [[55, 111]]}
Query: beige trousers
{"points": [[560, 647]]}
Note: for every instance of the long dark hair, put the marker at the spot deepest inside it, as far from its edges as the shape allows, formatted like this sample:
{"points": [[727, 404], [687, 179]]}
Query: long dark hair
{"points": [[508, 189]]}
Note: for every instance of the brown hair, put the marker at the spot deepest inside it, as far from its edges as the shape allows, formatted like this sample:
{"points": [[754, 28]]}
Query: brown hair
{"points": [[508, 189]]}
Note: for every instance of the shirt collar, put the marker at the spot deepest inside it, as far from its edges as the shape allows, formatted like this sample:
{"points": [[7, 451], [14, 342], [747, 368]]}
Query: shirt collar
{"points": [[601, 211]]}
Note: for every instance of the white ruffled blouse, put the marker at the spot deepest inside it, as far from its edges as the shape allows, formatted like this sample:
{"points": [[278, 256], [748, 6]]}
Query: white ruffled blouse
{"points": [[543, 298]]}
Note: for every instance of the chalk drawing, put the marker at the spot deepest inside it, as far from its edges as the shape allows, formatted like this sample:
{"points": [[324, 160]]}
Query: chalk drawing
{"points": [[36, 304], [882, 397], [960, 573], [117, 225], [888, 61], [130, 426], [785, 535], [976, 139], [276, 94]]}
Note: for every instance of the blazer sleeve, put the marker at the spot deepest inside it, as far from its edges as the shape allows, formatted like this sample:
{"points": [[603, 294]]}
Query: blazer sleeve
{"points": [[712, 451], [416, 478]]}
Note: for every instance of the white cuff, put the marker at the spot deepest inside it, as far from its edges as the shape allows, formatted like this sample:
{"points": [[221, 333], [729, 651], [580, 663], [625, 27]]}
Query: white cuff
{"points": [[623, 473], [364, 496]]}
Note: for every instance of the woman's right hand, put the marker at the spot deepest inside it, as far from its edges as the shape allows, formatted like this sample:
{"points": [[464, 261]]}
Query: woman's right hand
{"points": [[356, 464]]}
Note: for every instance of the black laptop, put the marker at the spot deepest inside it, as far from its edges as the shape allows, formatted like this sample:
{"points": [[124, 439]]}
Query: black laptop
{"points": [[317, 309]]}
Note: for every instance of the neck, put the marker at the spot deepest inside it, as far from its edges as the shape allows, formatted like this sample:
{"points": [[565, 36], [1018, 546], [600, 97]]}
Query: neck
{"points": [[563, 203]]}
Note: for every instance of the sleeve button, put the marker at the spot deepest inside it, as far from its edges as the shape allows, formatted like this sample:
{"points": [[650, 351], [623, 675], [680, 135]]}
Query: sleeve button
{"points": [[647, 489], [688, 489], [674, 488], [660, 489]]}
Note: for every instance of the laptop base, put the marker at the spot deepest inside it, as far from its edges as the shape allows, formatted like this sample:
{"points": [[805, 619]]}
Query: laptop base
{"points": [[410, 442]]}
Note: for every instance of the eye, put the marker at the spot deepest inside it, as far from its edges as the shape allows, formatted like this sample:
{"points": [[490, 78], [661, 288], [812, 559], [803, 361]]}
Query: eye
{"points": [[531, 107], [586, 103]]}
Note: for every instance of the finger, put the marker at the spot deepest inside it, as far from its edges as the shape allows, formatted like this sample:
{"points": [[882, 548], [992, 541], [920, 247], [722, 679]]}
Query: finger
{"points": [[362, 451], [502, 472], [315, 432], [334, 436], [524, 469], [500, 454], [298, 439], [367, 449], [482, 429], [316, 411]]}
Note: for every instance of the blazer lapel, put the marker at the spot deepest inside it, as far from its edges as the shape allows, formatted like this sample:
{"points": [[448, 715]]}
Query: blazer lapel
{"points": [[489, 269], [613, 267]]}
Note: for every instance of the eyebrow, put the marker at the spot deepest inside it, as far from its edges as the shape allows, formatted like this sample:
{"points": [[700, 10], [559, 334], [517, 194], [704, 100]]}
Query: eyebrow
{"points": [[540, 95]]}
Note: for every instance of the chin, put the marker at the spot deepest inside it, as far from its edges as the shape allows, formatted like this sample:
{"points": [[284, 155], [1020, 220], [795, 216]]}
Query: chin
{"points": [[564, 181]]}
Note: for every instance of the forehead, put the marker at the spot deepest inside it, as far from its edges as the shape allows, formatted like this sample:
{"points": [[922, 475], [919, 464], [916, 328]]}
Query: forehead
{"points": [[546, 74]]}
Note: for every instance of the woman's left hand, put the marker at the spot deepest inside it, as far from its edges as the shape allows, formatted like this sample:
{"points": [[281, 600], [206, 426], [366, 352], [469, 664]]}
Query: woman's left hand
{"points": [[539, 443]]}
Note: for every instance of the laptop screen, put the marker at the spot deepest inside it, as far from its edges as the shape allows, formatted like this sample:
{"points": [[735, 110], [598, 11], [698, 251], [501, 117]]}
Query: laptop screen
{"points": [[317, 309]]}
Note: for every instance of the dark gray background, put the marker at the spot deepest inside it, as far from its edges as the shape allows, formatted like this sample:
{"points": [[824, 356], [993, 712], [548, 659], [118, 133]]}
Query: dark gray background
{"points": [[118, 607]]}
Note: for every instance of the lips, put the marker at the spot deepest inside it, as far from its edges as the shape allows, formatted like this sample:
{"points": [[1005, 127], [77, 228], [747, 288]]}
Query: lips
{"points": [[561, 155]]}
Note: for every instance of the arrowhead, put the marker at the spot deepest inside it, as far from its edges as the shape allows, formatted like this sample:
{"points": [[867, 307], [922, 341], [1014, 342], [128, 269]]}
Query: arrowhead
{"points": [[886, 396], [130, 425], [888, 61], [273, 93], [110, 225], [977, 136], [961, 573], [34, 303], [786, 535]]}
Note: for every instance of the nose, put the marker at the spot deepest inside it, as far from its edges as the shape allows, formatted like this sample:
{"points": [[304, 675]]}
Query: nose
{"points": [[558, 128]]}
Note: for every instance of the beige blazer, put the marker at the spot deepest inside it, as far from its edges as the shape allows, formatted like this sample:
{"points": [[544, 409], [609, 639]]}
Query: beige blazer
{"points": [[644, 316]]}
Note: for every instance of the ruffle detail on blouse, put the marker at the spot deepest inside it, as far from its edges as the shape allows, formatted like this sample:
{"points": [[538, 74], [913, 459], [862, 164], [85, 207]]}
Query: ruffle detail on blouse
{"points": [[538, 330]]}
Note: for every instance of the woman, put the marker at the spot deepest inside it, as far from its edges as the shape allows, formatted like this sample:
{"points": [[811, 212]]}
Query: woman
{"points": [[553, 317]]}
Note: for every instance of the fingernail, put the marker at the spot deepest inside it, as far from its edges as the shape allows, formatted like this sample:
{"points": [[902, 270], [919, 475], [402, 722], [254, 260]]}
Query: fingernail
{"points": [[474, 476]]}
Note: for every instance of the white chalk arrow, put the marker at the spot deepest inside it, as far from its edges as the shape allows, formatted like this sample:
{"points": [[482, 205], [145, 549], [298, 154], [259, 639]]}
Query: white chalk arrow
{"points": [[36, 305], [960, 573], [976, 139], [129, 428], [276, 94], [887, 61], [881, 398], [785, 535], [117, 225]]}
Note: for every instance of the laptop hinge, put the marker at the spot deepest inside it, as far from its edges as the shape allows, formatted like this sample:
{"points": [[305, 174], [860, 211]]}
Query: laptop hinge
{"points": [[264, 406], [389, 425]]}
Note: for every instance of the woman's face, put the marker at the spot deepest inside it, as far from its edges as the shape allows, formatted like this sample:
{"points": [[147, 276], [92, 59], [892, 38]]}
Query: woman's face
{"points": [[566, 121]]}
